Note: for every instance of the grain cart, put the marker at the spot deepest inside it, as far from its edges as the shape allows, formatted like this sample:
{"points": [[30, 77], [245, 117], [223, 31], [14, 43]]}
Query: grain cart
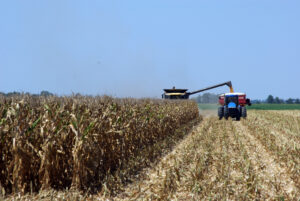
{"points": [[233, 105]]}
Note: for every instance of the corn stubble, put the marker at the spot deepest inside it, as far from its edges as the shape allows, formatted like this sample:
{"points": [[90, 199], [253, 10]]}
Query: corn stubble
{"points": [[252, 159], [83, 143], [113, 147]]}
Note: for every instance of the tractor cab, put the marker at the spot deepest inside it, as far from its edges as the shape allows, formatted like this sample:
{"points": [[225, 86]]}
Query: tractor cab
{"points": [[232, 100]]}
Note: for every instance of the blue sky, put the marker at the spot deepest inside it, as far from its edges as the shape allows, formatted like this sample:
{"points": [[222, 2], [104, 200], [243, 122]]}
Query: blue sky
{"points": [[137, 48]]}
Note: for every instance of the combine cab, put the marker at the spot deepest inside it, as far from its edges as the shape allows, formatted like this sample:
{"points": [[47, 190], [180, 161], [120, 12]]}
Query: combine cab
{"points": [[233, 105], [175, 94]]}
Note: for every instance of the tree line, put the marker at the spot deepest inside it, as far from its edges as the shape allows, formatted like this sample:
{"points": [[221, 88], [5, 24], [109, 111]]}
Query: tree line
{"points": [[276, 100], [43, 93], [207, 98]]}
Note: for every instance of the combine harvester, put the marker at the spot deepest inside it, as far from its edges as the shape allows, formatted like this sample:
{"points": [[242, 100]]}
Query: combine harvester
{"points": [[232, 104]]}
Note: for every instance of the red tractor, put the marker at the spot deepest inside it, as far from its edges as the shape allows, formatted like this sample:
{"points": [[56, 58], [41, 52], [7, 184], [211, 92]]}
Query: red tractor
{"points": [[233, 105]]}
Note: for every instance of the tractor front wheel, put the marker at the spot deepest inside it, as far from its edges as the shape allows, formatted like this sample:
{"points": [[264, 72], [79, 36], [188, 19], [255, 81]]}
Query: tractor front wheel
{"points": [[226, 113], [221, 112]]}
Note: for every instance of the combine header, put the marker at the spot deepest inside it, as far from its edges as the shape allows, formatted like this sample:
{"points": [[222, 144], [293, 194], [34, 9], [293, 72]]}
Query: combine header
{"points": [[232, 104]]}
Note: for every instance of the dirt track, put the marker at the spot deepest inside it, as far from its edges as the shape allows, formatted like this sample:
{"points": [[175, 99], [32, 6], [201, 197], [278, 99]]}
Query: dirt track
{"points": [[257, 158]]}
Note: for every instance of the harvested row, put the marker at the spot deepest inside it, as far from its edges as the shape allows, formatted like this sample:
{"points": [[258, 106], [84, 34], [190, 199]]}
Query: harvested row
{"points": [[284, 135], [274, 180], [210, 163], [219, 160], [83, 142], [286, 123], [294, 113], [230, 175], [285, 150], [171, 174]]}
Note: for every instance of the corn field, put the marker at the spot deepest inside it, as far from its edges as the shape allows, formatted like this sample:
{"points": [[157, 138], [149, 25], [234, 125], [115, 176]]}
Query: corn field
{"points": [[90, 144], [257, 158]]}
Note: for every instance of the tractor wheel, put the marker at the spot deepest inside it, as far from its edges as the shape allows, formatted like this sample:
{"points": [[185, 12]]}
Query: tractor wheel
{"points": [[226, 113], [221, 112], [238, 117], [244, 112]]}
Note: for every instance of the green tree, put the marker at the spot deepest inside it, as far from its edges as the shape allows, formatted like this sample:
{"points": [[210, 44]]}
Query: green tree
{"points": [[46, 93], [297, 101], [13, 93], [205, 98], [256, 101], [278, 100], [270, 99], [290, 101], [198, 99]]}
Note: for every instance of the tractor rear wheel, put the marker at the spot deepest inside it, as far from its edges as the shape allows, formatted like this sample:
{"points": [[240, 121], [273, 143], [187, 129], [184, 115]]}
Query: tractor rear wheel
{"points": [[221, 112], [244, 112], [226, 113]]}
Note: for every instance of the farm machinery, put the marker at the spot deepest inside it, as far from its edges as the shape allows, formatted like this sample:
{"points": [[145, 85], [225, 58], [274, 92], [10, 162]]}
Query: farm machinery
{"points": [[231, 104]]}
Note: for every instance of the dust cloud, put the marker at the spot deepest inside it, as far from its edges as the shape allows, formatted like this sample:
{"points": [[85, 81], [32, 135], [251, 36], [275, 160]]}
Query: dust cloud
{"points": [[208, 113]]}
